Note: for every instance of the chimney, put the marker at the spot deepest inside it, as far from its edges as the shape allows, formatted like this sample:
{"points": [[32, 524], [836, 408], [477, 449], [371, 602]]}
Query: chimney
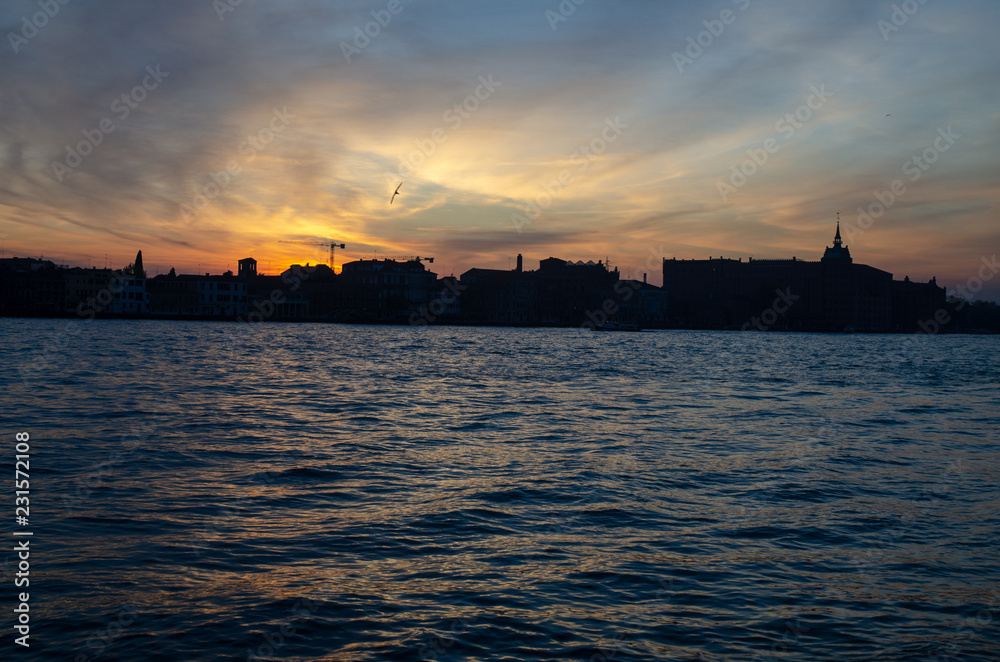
{"points": [[520, 263], [644, 279]]}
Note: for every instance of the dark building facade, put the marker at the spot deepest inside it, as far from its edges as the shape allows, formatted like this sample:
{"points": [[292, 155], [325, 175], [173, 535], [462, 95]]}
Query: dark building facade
{"points": [[208, 296], [914, 302], [385, 290], [559, 293], [495, 296], [831, 294], [30, 287], [834, 294], [640, 303]]}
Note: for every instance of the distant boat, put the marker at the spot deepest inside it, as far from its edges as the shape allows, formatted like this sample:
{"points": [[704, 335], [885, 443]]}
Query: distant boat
{"points": [[616, 326]]}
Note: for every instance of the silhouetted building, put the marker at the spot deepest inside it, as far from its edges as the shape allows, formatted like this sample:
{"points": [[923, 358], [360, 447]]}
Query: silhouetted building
{"points": [[130, 296], [559, 293], [321, 288], [913, 303], [568, 290], [495, 296], [385, 290], [640, 303], [89, 291], [833, 294], [278, 298], [447, 305], [208, 296], [247, 268], [174, 295], [30, 287]]}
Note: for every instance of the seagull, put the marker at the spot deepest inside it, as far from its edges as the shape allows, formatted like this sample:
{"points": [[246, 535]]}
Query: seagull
{"points": [[888, 115], [395, 194]]}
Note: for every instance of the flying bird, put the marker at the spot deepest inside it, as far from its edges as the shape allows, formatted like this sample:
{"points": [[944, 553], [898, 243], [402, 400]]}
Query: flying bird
{"points": [[395, 194], [888, 115]]}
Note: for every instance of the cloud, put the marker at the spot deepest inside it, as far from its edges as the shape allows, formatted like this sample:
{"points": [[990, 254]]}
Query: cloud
{"points": [[326, 174]]}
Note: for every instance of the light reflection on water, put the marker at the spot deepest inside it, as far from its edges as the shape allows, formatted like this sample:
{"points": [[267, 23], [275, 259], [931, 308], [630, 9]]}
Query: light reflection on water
{"points": [[520, 494]]}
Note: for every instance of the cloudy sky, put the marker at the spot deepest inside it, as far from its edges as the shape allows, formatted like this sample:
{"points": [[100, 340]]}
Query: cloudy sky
{"points": [[202, 132]]}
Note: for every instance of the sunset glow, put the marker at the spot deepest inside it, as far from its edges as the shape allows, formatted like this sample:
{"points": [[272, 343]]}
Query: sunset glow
{"points": [[689, 129]]}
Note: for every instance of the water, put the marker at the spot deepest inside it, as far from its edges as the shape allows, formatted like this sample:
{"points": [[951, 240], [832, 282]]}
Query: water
{"points": [[205, 491]]}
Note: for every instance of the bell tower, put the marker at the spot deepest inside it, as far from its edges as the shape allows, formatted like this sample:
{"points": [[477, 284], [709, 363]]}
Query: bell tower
{"points": [[838, 251], [837, 284]]}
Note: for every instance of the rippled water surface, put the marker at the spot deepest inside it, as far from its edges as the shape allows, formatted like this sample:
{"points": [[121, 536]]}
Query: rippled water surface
{"points": [[205, 491]]}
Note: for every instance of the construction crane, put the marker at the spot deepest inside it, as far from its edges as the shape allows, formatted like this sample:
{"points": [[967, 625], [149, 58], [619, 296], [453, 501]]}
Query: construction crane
{"points": [[333, 247]]}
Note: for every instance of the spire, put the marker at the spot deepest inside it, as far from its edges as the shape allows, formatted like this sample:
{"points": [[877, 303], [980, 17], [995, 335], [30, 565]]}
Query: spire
{"points": [[838, 251]]}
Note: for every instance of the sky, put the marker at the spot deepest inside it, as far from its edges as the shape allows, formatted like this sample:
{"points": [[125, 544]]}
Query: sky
{"points": [[202, 132]]}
